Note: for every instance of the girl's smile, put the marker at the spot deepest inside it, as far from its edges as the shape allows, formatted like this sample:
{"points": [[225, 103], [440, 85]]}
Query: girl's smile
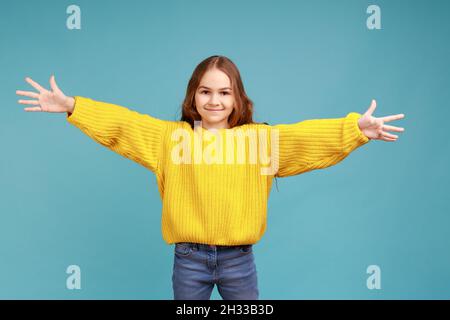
{"points": [[214, 110]]}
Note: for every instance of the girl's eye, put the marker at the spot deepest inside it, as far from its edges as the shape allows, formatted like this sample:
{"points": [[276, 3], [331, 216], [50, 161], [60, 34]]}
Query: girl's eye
{"points": [[205, 92]]}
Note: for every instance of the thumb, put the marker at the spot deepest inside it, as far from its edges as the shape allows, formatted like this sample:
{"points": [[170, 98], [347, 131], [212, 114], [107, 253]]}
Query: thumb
{"points": [[53, 84], [372, 107]]}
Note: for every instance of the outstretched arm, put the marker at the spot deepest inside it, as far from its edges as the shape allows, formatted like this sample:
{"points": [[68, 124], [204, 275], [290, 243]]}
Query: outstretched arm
{"points": [[321, 143], [133, 135]]}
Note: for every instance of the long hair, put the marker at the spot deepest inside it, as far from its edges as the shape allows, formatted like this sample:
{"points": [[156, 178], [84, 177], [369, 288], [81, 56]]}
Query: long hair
{"points": [[243, 109]]}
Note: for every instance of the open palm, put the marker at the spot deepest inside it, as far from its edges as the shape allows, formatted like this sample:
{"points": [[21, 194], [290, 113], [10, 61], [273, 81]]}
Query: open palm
{"points": [[46, 101], [375, 128]]}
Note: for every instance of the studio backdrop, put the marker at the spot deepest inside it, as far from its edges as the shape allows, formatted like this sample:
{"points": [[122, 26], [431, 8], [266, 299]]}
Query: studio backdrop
{"points": [[78, 221]]}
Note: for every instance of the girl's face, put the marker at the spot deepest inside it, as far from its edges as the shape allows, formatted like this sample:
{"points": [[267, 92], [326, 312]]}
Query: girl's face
{"points": [[214, 99]]}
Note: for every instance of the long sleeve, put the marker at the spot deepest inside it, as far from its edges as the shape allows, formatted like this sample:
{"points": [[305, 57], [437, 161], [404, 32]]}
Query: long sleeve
{"points": [[317, 144], [133, 135]]}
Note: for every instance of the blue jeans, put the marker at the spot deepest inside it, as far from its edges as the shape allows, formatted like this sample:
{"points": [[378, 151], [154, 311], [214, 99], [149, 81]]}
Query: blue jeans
{"points": [[198, 267]]}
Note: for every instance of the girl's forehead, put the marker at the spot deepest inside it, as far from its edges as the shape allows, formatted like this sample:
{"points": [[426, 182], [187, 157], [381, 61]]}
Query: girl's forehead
{"points": [[215, 79]]}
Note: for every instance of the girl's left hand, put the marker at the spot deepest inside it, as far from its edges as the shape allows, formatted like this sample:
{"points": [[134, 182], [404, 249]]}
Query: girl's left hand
{"points": [[374, 128]]}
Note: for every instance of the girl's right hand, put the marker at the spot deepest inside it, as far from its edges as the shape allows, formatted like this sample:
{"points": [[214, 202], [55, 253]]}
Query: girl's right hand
{"points": [[47, 101]]}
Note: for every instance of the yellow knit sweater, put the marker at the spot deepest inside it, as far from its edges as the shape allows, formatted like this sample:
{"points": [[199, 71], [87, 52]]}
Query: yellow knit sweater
{"points": [[214, 187]]}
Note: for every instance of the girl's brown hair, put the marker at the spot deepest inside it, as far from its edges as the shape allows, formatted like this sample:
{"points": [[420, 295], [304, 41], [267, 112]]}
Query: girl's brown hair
{"points": [[243, 108]]}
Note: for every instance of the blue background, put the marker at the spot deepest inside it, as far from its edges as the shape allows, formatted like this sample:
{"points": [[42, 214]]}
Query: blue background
{"points": [[68, 200]]}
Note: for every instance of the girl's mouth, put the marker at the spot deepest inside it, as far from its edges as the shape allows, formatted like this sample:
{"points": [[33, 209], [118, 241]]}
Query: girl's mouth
{"points": [[212, 109]]}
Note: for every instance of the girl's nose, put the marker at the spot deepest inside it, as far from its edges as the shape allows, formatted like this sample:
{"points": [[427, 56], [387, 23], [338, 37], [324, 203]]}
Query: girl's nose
{"points": [[214, 99]]}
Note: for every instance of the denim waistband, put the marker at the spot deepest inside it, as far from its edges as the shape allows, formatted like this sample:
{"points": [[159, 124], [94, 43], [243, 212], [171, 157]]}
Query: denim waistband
{"points": [[209, 246]]}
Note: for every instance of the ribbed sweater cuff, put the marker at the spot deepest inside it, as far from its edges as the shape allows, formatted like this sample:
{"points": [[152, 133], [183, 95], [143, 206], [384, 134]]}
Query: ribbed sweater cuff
{"points": [[356, 137], [80, 110]]}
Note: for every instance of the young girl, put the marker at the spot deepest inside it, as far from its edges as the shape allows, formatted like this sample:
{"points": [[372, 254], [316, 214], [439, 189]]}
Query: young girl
{"points": [[213, 188]]}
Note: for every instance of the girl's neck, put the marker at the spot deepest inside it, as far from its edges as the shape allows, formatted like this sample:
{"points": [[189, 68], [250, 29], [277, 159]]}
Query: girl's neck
{"points": [[215, 126]]}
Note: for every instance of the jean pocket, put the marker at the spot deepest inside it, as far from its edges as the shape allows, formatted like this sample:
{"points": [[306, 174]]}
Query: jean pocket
{"points": [[246, 249], [183, 249]]}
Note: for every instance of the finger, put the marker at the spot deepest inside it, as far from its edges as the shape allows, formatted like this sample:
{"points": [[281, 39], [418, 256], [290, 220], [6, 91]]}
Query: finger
{"points": [[372, 107], [53, 84], [35, 102], [27, 94], [392, 128], [35, 84], [394, 117], [388, 135], [33, 109], [389, 139]]}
